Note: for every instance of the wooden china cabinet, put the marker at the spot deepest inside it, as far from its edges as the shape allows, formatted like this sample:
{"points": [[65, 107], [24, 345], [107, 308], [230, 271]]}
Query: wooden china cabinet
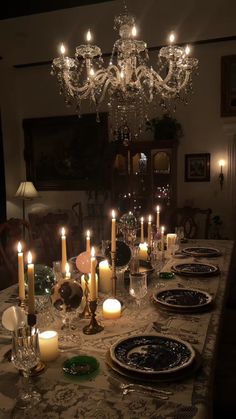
{"points": [[145, 175]]}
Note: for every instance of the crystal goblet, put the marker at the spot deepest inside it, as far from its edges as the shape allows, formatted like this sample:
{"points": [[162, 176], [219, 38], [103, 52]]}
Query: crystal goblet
{"points": [[138, 286]]}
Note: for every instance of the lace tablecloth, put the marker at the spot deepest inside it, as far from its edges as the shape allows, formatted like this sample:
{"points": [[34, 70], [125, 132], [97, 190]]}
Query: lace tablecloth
{"points": [[64, 397]]}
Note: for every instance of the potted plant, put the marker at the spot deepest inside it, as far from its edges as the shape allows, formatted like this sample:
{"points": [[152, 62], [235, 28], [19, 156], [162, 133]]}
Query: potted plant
{"points": [[165, 128]]}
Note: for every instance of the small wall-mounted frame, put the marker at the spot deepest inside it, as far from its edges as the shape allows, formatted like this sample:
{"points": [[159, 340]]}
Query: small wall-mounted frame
{"points": [[197, 167], [228, 85]]}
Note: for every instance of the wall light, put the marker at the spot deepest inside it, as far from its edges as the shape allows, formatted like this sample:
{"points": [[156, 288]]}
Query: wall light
{"points": [[221, 175]]}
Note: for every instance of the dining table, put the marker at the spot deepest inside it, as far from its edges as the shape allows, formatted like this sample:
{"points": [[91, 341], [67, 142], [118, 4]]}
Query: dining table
{"points": [[101, 395]]}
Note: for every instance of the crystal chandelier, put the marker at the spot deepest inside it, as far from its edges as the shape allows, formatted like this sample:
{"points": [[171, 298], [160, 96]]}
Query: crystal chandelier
{"points": [[128, 84]]}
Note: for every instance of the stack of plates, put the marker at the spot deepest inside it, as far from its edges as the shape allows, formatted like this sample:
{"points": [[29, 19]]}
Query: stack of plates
{"points": [[183, 300], [197, 251], [195, 269], [152, 358]]}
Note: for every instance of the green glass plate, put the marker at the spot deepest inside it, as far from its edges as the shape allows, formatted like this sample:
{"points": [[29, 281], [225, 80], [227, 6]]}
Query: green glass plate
{"points": [[80, 366], [166, 275]]}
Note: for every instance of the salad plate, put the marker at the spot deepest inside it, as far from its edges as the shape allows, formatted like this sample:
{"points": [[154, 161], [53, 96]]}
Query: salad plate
{"points": [[183, 299], [195, 269]]}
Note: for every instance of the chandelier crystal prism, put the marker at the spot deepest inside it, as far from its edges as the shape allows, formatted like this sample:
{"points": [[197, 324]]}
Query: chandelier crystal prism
{"points": [[128, 84]]}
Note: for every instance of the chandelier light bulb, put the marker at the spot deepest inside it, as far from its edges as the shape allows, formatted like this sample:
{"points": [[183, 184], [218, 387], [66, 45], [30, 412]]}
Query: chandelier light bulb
{"points": [[187, 50], [134, 31], [122, 74], [172, 38], [88, 36], [91, 71], [62, 49]]}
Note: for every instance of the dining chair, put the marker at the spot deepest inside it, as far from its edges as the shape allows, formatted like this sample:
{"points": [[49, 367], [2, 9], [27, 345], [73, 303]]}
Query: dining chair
{"points": [[195, 221]]}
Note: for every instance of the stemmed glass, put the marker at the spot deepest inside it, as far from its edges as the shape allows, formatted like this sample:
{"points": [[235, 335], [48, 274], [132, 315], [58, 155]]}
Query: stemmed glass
{"points": [[25, 356], [138, 286]]}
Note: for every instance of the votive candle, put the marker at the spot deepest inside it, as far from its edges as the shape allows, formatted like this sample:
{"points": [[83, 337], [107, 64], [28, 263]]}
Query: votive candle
{"points": [[111, 309], [48, 345]]}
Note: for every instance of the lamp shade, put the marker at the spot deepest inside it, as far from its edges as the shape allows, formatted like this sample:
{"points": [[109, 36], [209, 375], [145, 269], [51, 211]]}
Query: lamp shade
{"points": [[26, 190]]}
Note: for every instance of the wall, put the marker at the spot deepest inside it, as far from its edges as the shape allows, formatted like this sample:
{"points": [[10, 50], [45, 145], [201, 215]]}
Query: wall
{"points": [[32, 92]]}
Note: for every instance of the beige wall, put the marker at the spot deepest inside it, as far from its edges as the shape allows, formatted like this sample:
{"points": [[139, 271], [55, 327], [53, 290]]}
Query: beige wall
{"points": [[32, 92]]}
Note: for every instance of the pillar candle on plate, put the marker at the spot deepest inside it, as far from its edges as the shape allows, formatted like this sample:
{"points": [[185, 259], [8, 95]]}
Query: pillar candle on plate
{"points": [[88, 241], [48, 345], [149, 238], [63, 250], [30, 273], [158, 216], [105, 275], [142, 231], [93, 288], [82, 282], [162, 239], [170, 240], [143, 248], [111, 309], [21, 281], [67, 270], [113, 232]]}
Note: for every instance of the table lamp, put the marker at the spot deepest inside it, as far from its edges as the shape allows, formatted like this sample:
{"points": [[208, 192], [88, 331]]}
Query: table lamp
{"points": [[26, 190]]}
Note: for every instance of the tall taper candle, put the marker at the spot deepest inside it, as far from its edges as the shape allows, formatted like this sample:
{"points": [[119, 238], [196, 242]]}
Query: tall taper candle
{"points": [[67, 270], [162, 239], [158, 216], [149, 238], [113, 232], [30, 273], [142, 232], [93, 287], [63, 250], [88, 241], [21, 282]]}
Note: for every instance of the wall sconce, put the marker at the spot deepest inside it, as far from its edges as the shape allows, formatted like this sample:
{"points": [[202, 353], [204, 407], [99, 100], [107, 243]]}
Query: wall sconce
{"points": [[221, 175]]}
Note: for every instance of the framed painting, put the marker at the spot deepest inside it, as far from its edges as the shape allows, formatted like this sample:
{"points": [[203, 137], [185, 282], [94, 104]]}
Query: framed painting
{"points": [[228, 85], [66, 152], [197, 167]]}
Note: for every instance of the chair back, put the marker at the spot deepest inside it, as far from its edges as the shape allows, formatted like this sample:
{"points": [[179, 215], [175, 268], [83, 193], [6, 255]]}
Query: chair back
{"points": [[196, 221]]}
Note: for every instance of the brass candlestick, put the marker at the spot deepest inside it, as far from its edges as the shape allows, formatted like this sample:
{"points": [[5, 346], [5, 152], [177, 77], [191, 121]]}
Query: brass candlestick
{"points": [[93, 327], [113, 269], [22, 303], [86, 313]]}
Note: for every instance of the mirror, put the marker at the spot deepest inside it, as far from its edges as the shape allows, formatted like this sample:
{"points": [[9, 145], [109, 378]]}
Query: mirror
{"points": [[161, 162], [120, 164]]}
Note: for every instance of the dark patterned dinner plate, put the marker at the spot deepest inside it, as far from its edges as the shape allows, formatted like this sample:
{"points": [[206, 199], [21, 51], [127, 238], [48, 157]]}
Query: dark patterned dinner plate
{"points": [[201, 251], [183, 298], [195, 269], [152, 354]]}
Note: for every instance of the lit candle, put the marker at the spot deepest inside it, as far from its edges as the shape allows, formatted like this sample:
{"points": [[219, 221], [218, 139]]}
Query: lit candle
{"points": [[158, 216], [105, 275], [88, 241], [143, 249], [63, 250], [149, 238], [170, 240], [111, 309], [21, 281], [113, 232], [82, 282], [30, 273], [48, 345], [67, 270], [142, 231], [93, 289], [88, 36], [162, 238]]}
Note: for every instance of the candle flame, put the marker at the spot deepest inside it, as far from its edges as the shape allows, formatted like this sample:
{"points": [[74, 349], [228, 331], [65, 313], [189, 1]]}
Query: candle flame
{"points": [[134, 31], [141, 219], [162, 229], [62, 49], [63, 231], [158, 208], [29, 258], [88, 234], [19, 247], [187, 50], [149, 218], [67, 268], [92, 252], [88, 36], [113, 214]]}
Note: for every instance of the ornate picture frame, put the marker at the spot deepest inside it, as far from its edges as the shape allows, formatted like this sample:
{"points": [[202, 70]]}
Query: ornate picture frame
{"points": [[197, 167]]}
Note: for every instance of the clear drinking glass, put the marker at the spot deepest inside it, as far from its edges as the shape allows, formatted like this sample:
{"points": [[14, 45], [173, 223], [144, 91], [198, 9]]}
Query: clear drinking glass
{"points": [[138, 286], [25, 356]]}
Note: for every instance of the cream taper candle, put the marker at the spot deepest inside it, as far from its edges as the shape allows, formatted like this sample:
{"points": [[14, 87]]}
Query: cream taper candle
{"points": [[105, 275], [21, 281], [30, 273], [162, 239], [113, 232], [149, 238], [93, 289], [142, 231], [63, 250], [88, 246], [158, 216]]}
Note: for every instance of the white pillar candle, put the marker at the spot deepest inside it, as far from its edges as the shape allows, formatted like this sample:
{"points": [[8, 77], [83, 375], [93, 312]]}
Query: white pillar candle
{"points": [[149, 238], [111, 309], [93, 289], [30, 273], [82, 282], [158, 216], [143, 248], [113, 232], [142, 231], [21, 281], [170, 240], [48, 345], [63, 250], [105, 275], [88, 241]]}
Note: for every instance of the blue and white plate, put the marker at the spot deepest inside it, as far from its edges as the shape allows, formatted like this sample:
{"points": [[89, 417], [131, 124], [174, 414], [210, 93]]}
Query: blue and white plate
{"points": [[195, 269], [183, 299], [152, 354]]}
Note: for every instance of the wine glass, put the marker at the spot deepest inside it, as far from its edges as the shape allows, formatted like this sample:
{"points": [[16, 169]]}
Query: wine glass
{"points": [[25, 356], [138, 286]]}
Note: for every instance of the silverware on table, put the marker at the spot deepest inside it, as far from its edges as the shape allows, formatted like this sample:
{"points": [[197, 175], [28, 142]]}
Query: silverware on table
{"points": [[127, 388]]}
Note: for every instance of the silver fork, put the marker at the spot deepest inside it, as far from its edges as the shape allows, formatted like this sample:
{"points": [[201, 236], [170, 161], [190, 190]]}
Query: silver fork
{"points": [[141, 388]]}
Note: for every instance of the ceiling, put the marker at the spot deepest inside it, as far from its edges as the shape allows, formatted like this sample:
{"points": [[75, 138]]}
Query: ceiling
{"points": [[27, 7]]}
